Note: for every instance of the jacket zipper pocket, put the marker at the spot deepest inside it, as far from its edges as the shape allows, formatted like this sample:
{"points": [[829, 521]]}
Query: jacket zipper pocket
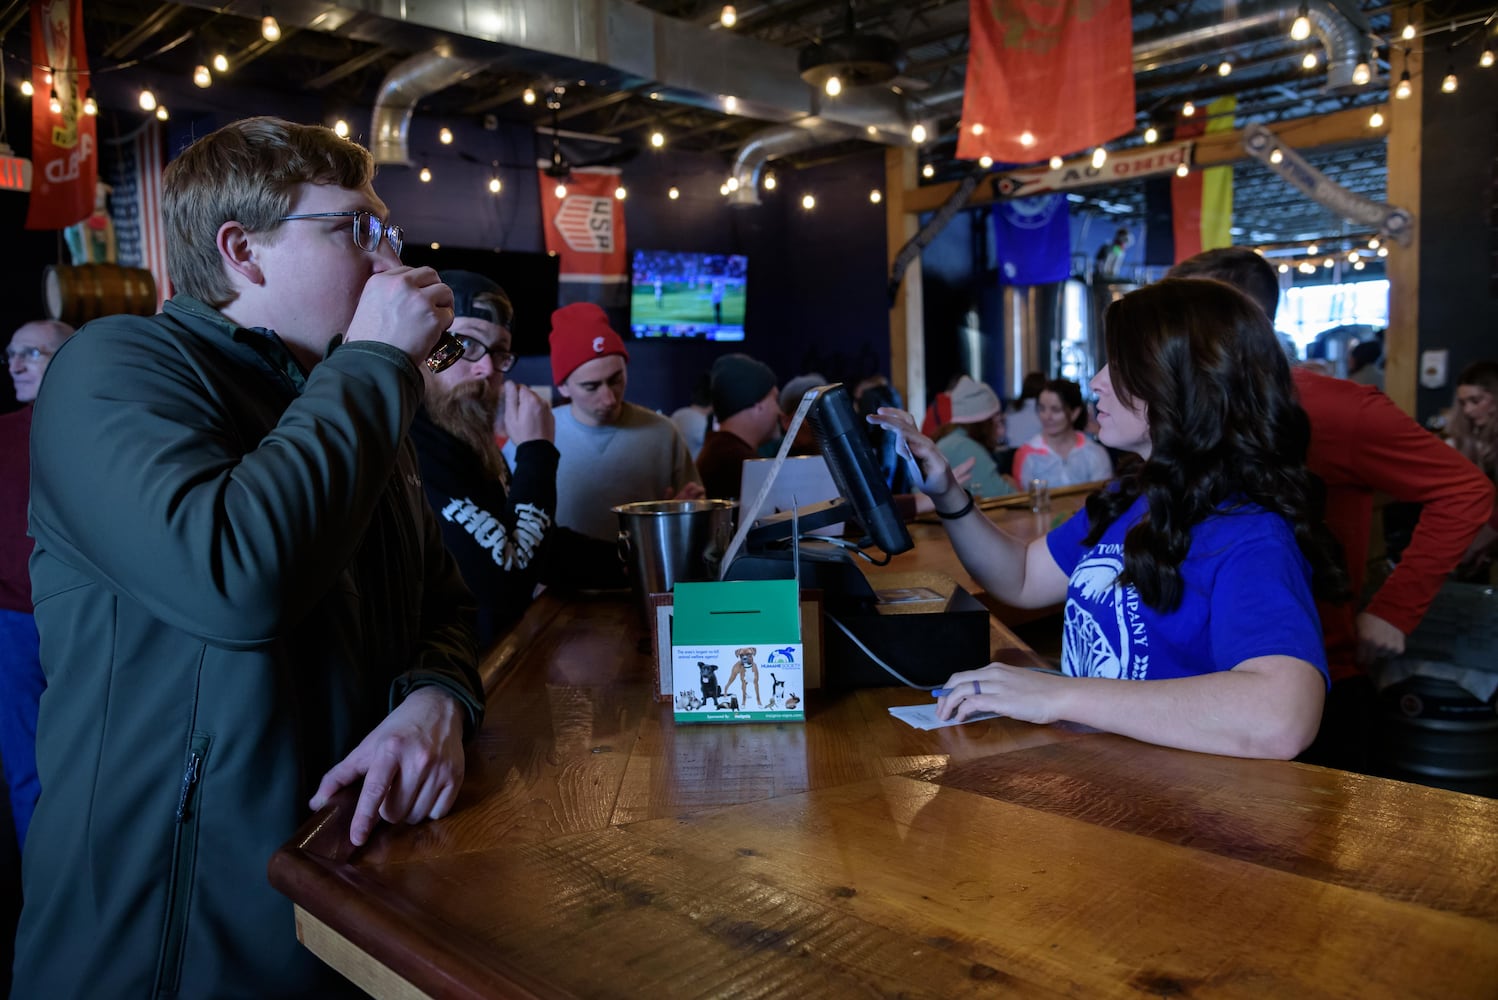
{"points": [[179, 883]]}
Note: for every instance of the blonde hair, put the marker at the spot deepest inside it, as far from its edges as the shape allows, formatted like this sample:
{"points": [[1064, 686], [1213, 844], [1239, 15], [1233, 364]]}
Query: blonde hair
{"points": [[246, 172]]}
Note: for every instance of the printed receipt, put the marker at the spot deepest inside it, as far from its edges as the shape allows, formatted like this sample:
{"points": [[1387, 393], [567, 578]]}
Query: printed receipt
{"points": [[924, 716]]}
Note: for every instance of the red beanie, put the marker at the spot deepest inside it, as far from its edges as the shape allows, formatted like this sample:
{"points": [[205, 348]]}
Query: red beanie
{"points": [[579, 333]]}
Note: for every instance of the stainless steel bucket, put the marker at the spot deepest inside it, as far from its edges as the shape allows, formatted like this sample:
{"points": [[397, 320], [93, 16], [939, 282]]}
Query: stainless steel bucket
{"points": [[668, 541]]}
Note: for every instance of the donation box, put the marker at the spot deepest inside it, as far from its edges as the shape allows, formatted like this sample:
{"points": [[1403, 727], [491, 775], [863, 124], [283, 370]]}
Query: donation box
{"points": [[736, 652]]}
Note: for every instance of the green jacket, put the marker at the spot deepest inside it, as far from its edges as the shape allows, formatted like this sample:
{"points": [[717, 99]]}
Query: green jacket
{"points": [[236, 576]]}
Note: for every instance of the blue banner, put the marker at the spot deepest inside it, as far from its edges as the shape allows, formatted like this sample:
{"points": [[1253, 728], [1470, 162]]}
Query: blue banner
{"points": [[1032, 240]]}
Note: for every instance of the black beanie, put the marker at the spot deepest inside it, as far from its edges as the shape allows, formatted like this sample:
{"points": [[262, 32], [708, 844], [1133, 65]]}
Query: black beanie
{"points": [[739, 382]]}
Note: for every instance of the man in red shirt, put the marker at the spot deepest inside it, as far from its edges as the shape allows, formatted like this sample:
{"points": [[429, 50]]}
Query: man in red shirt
{"points": [[1362, 444]]}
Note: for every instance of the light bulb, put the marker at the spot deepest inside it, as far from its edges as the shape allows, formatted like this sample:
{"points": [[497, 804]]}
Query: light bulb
{"points": [[1408, 32], [47, 78], [1402, 89], [1284, 268], [808, 202], [928, 171], [1276, 155], [162, 114], [27, 89], [340, 128], [147, 100], [1056, 162], [529, 96], [54, 105], [1361, 74], [1026, 138], [1188, 109], [1352, 256], [560, 191], [1373, 243], [723, 189], [1310, 60], [1448, 83], [1151, 134], [732, 183], [876, 196], [1099, 157], [221, 62], [1383, 251], [201, 77], [770, 182], [1182, 170], [985, 162], [620, 193], [833, 86], [977, 128], [917, 133], [1300, 30], [1224, 68], [1358, 266], [445, 136], [673, 194], [731, 104], [425, 176], [1376, 120], [657, 139], [728, 17], [1486, 59], [1311, 250], [270, 28], [435, 245], [90, 106], [1328, 262], [495, 186]]}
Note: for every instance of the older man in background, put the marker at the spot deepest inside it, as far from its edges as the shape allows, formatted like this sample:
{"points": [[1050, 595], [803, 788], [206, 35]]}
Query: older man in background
{"points": [[21, 682]]}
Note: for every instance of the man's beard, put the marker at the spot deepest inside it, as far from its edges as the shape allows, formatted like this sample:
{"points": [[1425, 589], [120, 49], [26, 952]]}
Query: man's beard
{"points": [[466, 411]]}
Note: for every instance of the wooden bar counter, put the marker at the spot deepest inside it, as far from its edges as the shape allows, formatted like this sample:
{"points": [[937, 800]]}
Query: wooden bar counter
{"points": [[597, 850]]}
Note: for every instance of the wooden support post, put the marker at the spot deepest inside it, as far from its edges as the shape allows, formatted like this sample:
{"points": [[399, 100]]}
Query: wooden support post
{"points": [[1402, 341], [907, 328]]}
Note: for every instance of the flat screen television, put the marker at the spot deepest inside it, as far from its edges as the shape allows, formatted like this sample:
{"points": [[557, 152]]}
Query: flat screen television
{"points": [[531, 280], [688, 295]]}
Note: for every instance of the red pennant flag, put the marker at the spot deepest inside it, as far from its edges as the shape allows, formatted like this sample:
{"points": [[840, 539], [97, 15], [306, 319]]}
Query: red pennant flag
{"points": [[585, 226], [1046, 78], [63, 143]]}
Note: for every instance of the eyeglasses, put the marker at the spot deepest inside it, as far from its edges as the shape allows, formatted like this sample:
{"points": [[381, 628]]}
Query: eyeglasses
{"points": [[473, 350], [36, 354], [367, 229]]}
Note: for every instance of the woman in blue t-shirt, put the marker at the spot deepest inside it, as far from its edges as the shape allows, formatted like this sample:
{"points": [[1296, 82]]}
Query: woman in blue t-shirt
{"points": [[1194, 569]]}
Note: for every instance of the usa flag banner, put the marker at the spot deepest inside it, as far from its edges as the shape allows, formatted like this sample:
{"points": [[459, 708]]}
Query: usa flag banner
{"points": [[584, 224]]}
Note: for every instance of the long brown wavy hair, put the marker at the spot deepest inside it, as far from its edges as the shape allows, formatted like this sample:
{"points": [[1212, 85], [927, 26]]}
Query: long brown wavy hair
{"points": [[1225, 431]]}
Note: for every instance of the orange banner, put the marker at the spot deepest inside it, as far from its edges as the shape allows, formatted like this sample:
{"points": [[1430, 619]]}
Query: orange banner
{"points": [[1046, 78], [64, 142], [585, 225]]}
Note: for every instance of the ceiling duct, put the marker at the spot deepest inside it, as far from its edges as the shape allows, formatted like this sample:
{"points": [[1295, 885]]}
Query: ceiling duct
{"points": [[775, 142], [410, 81]]}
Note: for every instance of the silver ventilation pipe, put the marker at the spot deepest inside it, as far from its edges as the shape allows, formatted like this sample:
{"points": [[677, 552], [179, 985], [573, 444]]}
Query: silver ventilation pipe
{"points": [[408, 82], [775, 142]]}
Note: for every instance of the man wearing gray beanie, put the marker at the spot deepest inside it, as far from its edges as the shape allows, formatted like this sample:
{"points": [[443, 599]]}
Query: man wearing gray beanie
{"points": [[746, 403]]}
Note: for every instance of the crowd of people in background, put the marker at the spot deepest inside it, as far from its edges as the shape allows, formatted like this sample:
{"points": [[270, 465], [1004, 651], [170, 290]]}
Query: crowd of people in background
{"points": [[257, 543]]}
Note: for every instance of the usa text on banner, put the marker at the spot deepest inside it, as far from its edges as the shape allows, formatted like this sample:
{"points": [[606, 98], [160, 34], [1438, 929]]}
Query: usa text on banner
{"points": [[1046, 77], [585, 227], [1143, 162], [1391, 221], [1032, 240], [64, 143]]}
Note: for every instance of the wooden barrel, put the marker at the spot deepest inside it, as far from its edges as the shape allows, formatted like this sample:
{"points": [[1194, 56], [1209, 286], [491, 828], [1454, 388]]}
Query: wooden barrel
{"points": [[76, 294]]}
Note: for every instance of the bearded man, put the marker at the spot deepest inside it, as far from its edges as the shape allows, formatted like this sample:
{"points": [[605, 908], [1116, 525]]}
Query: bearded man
{"points": [[499, 525]]}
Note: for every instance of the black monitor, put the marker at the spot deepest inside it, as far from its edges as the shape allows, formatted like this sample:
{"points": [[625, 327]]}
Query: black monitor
{"points": [[865, 502]]}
